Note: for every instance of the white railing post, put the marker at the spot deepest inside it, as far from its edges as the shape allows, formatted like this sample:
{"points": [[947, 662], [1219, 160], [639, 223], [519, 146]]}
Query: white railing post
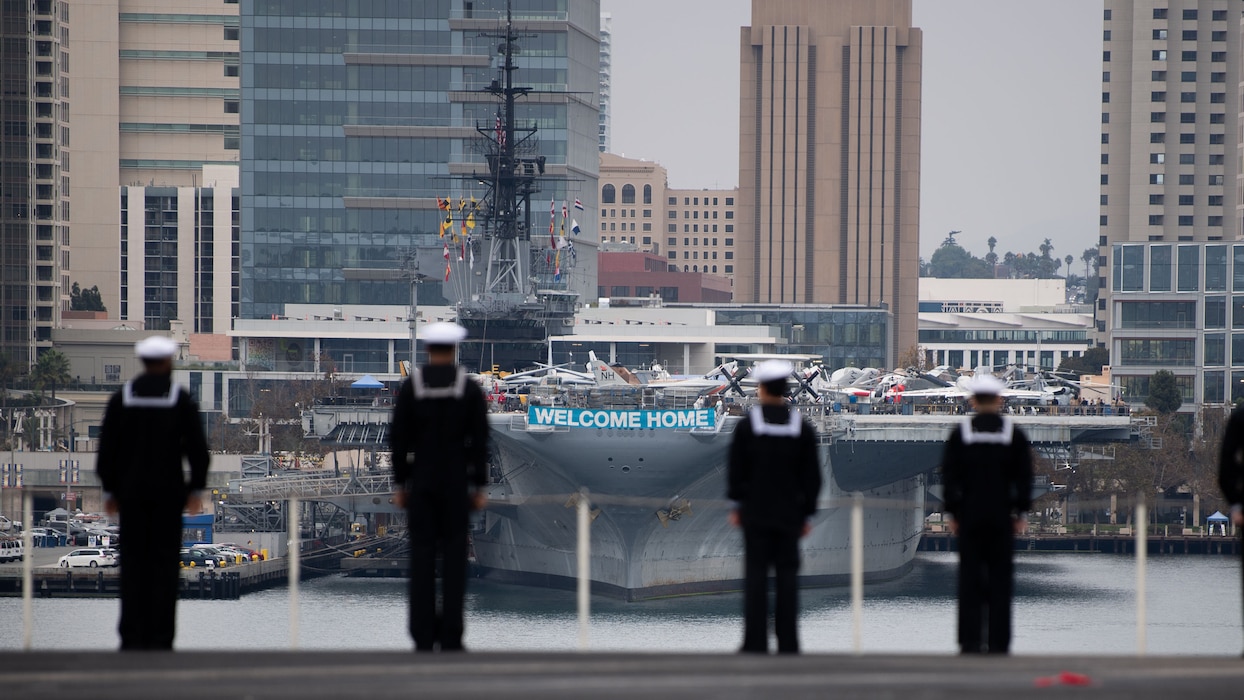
{"points": [[857, 572], [1142, 559], [28, 571], [295, 569], [585, 567]]}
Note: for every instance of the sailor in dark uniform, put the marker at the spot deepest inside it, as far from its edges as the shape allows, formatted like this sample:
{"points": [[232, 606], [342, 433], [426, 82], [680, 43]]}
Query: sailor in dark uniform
{"points": [[987, 483], [775, 478], [439, 440], [1231, 468], [151, 425]]}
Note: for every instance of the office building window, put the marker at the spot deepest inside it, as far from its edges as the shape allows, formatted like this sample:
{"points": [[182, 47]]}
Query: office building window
{"points": [[1215, 312], [1186, 179], [608, 194], [628, 194], [1218, 119], [1216, 268], [1154, 220], [1212, 387], [1187, 159], [1186, 200], [1189, 35], [1215, 139], [1105, 35], [1159, 13], [1154, 179], [1214, 222], [1188, 56], [1218, 36], [1158, 76], [1153, 97], [1159, 55], [1154, 199], [1185, 139], [1218, 57], [648, 195], [1160, 268], [1159, 35], [1189, 14], [1189, 268], [1157, 158], [1157, 117], [1157, 137], [1187, 118], [1215, 200], [1215, 179]]}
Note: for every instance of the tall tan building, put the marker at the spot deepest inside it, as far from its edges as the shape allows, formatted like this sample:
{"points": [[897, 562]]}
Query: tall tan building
{"points": [[1170, 158], [154, 100], [829, 156]]}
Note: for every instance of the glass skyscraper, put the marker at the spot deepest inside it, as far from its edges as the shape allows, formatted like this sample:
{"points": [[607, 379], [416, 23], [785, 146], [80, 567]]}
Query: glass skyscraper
{"points": [[358, 114]]}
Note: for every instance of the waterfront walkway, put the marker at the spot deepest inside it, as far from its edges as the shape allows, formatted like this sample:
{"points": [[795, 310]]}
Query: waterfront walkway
{"points": [[306, 675]]}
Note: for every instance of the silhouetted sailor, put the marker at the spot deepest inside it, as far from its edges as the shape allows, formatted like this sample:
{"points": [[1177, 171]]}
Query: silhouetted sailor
{"points": [[439, 439], [987, 483], [151, 427], [1231, 468], [775, 478]]}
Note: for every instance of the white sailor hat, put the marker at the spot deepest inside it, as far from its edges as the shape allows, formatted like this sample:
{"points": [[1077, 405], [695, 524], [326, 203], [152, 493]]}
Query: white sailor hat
{"points": [[157, 347], [772, 370], [443, 334], [985, 385]]}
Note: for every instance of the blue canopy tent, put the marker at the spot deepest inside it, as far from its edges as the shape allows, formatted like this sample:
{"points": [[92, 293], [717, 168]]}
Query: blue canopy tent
{"points": [[367, 382], [1218, 520]]}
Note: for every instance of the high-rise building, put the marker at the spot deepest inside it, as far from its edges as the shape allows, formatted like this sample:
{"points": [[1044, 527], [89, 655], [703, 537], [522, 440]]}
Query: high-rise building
{"points": [[155, 100], [1169, 294], [1169, 136], [354, 124], [34, 175], [606, 78], [179, 253], [829, 157]]}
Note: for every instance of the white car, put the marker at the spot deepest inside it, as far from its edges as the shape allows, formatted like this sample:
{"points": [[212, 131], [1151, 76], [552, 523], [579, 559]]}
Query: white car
{"points": [[7, 525], [12, 549], [92, 557]]}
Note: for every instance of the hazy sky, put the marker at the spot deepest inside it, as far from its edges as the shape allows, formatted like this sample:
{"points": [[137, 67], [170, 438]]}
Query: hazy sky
{"points": [[1011, 104]]}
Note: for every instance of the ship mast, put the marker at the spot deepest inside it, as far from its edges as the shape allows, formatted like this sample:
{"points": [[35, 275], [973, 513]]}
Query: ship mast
{"points": [[513, 170]]}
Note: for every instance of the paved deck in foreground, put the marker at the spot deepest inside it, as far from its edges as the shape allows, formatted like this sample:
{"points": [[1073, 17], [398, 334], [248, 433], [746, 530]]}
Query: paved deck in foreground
{"points": [[216, 675]]}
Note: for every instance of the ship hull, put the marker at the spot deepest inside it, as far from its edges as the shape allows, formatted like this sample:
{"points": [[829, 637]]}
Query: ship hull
{"points": [[660, 519]]}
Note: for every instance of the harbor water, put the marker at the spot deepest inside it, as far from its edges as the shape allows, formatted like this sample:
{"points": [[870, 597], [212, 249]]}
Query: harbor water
{"points": [[1065, 604]]}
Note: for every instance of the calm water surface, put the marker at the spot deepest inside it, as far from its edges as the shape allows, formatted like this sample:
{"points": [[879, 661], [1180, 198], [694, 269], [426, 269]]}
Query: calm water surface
{"points": [[1065, 603]]}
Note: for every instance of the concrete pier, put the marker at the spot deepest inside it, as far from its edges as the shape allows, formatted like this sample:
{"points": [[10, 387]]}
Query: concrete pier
{"points": [[658, 675]]}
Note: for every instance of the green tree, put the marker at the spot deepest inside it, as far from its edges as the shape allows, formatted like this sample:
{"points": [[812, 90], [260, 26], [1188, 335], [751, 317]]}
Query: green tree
{"points": [[1164, 396], [51, 369], [951, 261], [85, 299], [991, 257], [1090, 362], [1070, 260]]}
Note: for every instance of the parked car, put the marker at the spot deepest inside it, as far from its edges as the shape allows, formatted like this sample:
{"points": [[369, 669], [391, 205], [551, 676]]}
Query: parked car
{"points": [[251, 554], [12, 550], [197, 558], [92, 557], [7, 525], [222, 559]]}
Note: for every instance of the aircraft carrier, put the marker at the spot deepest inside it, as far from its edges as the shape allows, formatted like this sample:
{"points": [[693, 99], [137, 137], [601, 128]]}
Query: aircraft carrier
{"points": [[657, 496], [660, 522]]}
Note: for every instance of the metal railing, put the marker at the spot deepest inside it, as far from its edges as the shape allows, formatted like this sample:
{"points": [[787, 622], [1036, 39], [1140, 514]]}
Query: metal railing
{"points": [[586, 509]]}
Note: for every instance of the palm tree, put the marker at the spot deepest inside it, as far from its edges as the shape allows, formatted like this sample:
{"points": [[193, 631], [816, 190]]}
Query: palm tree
{"points": [[51, 368], [1070, 260], [991, 257], [1046, 247], [1089, 256]]}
